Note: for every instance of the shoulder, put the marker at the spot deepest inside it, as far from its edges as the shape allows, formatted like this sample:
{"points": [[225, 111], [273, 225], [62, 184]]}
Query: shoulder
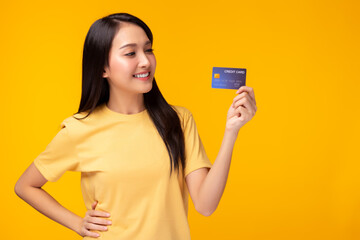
{"points": [[184, 114], [182, 111], [70, 122], [78, 119], [80, 124], [74, 126]]}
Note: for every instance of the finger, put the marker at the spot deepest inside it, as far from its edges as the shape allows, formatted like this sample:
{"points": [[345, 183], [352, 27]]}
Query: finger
{"points": [[242, 102], [96, 213], [243, 112], [238, 97], [92, 226], [250, 99], [248, 90], [93, 206], [100, 221], [91, 234], [240, 110], [246, 102]]}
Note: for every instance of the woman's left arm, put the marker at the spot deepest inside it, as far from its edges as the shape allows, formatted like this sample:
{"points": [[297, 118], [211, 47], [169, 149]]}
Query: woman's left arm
{"points": [[207, 186]]}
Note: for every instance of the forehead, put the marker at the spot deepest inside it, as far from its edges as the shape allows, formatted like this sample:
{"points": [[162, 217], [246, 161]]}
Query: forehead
{"points": [[129, 33]]}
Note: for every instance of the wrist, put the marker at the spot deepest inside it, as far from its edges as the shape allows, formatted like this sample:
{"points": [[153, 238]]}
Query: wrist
{"points": [[78, 225], [230, 134]]}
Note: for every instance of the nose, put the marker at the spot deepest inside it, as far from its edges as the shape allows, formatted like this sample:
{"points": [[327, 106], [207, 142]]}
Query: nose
{"points": [[144, 61]]}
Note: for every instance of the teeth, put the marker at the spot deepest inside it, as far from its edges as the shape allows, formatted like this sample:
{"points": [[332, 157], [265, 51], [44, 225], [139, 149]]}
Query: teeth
{"points": [[142, 75]]}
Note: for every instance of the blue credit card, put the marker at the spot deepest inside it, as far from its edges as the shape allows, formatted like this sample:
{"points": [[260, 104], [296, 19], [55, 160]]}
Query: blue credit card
{"points": [[228, 78]]}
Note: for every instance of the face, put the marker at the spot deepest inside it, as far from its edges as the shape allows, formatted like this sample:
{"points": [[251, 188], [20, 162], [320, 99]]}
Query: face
{"points": [[126, 61]]}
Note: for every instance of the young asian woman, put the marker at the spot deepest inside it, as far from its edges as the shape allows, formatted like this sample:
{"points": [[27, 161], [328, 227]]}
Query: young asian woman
{"points": [[128, 143]]}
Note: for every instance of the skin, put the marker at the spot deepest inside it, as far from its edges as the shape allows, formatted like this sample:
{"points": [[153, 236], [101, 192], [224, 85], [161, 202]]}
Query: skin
{"points": [[207, 186], [126, 92], [126, 96]]}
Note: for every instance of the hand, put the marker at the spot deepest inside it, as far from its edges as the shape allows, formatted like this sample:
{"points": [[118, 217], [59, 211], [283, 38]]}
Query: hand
{"points": [[241, 110], [93, 221]]}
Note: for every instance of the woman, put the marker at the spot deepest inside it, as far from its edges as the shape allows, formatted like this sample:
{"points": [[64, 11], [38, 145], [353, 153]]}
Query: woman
{"points": [[127, 141]]}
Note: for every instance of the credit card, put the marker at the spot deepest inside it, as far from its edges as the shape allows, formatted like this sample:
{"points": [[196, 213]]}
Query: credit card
{"points": [[228, 78]]}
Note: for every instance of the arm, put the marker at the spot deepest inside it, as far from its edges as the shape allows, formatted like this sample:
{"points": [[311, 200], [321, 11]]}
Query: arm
{"points": [[207, 186], [28, 188]]}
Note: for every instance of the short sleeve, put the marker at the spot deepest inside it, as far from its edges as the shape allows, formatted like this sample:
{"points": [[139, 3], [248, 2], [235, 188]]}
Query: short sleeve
{"points": [[58, 157], [194, 150]]}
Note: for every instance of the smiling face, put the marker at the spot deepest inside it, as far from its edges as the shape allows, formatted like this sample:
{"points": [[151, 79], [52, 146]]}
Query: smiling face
{"points": [[127, 60]]}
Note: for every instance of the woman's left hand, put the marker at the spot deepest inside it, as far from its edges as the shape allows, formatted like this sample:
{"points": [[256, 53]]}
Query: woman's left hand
{"points": [[241, 110]]}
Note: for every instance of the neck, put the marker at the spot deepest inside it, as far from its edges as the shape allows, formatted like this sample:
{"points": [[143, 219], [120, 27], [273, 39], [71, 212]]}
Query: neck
{"points": [[126, 103]]}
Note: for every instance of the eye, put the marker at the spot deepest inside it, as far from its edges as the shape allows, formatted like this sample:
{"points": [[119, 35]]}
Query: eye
{"points": [[132, 53]]}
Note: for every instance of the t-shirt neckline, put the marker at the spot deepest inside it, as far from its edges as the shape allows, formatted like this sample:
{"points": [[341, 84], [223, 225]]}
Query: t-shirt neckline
{"points": [[123, 116]]}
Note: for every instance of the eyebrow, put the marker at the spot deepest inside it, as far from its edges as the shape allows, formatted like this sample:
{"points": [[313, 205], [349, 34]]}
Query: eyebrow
{"points": [[134, 44]]}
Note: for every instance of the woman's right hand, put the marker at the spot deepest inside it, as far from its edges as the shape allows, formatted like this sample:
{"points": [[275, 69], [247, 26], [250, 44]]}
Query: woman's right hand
{"points": [[94, 220]]}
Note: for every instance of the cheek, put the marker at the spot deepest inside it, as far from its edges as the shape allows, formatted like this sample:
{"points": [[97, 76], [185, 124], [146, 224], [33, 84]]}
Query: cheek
{"points": [[120, 66], [153, 61]]}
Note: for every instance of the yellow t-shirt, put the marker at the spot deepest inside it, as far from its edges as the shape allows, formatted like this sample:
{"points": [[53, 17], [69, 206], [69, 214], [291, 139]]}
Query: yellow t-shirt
{"points": [[125, 166]]}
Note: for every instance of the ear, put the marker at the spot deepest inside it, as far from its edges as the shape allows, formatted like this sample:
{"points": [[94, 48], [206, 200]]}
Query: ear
{"points": [[105, 74]]}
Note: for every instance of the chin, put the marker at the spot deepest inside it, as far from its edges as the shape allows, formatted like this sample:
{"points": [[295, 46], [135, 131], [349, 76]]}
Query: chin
{"points": [[147, 89]]}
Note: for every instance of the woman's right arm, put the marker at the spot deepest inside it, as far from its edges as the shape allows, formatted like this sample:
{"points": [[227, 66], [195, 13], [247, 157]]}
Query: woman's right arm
{"points": [[28, 188]]}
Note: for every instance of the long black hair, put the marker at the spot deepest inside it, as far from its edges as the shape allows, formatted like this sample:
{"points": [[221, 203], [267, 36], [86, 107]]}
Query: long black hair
{"points": [[95, 89]]}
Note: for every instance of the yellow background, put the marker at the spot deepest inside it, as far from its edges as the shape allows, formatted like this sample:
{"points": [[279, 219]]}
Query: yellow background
{"points": [[295, 166]]}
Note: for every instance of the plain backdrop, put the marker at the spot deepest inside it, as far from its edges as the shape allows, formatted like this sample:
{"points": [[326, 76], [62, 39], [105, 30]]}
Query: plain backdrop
{"points": [[295, 167]]}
